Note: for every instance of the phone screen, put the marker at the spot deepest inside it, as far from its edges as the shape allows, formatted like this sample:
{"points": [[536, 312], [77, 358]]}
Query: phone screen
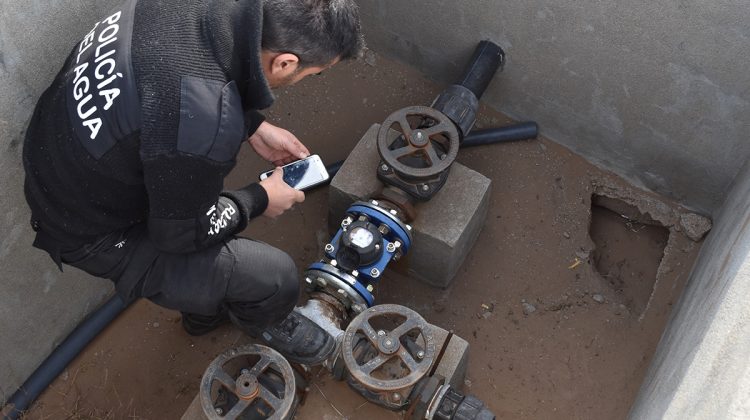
{"points": [[304, 173]]}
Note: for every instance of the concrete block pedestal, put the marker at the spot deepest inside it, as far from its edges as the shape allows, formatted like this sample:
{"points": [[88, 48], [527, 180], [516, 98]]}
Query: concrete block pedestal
{"points": [[446, 227]]}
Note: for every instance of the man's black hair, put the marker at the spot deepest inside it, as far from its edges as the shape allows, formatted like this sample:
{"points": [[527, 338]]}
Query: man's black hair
{"points": [[316, 31]]}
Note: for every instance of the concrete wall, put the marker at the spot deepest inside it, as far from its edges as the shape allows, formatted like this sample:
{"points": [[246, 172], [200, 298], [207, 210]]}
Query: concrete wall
{"points": [[701, 368], [38, 304], [656, 91]]}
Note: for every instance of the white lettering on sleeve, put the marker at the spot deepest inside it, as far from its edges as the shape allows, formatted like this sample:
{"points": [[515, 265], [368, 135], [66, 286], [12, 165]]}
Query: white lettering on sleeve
{"points": [[105, 71]]}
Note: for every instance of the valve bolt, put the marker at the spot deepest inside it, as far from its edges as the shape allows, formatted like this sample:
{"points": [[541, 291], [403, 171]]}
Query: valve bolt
{"points": [[329, 248], [375, 272]]}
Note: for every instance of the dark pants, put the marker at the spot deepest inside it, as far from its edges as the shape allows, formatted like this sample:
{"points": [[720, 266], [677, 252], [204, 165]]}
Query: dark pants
{"points": [[258, 284]]}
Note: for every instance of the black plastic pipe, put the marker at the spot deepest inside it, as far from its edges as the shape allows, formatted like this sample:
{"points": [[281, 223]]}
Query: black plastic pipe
{"points": [[516, 132], [73, 344], [487, 59], [333, 169]]}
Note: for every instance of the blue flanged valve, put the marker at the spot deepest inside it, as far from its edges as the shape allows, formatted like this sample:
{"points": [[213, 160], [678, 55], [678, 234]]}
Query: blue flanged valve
{"points": [[370, 237]]}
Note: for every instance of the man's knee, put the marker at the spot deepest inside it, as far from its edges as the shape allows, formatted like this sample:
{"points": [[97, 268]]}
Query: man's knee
{"points": [[263, 274], [285, 275]]}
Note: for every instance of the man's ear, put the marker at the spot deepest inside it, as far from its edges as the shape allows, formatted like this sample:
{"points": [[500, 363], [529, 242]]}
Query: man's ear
{"points": [[284, 65]]}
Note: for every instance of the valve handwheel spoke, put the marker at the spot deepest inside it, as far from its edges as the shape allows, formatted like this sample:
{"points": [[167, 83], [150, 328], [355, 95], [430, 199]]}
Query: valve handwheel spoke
{"points": [[222, 377], [261, 365], [375, 363], [271, 399], [405, 127], [238, 409], [408, 359], [370, 332], [404, 328]]}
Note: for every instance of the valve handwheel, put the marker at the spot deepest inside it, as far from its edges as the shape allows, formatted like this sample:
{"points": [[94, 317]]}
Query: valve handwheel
{"points": [[252, 379], [427, 145], [411, 343]]}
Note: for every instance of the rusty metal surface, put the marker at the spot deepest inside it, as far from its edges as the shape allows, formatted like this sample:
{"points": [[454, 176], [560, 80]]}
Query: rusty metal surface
{"points": [[429, 142], [397, 199], [387, 359], [251, 379]]}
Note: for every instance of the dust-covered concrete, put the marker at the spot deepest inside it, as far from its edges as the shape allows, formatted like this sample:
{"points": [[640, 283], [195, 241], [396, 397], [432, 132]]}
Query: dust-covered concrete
{"points": [[654, 91], [702, 366], [38, 304]]}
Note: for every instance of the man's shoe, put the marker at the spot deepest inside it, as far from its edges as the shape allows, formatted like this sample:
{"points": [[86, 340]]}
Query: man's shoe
{"points": [[298, 339], [197, 325]]}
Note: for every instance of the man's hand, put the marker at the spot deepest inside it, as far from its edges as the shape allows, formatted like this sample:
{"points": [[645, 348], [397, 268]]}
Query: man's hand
{"points": [[281, 197], [277, 145]]}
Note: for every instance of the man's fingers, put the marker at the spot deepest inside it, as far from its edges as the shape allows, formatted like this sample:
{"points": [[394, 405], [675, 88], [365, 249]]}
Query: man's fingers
{"points": [[295, 147], [299, 197]]}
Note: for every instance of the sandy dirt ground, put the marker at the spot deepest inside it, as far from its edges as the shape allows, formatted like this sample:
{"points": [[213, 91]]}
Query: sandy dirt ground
{"points": [[563, 315]]}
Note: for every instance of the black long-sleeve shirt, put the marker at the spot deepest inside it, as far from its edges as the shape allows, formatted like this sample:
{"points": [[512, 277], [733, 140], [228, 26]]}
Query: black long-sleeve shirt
{"points": [[143, 123]]}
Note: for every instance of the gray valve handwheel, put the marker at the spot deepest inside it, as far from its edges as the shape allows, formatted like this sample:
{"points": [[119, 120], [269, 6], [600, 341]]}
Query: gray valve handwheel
{"points": [[238, 372], [418, 142], [389, 345]]}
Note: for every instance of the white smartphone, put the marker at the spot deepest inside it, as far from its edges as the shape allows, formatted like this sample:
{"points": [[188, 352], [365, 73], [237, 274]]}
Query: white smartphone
{"points": [[303, 174]]}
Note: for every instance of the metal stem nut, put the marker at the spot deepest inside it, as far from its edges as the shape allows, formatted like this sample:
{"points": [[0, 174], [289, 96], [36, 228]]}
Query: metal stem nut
{"points": [[375, 272], [420, 354], [384, 167]]}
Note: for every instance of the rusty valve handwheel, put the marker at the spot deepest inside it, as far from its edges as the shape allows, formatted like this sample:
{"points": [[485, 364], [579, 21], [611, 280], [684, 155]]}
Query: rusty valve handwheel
{"points": [[417, 358], [242, 374], [418, 142]]}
